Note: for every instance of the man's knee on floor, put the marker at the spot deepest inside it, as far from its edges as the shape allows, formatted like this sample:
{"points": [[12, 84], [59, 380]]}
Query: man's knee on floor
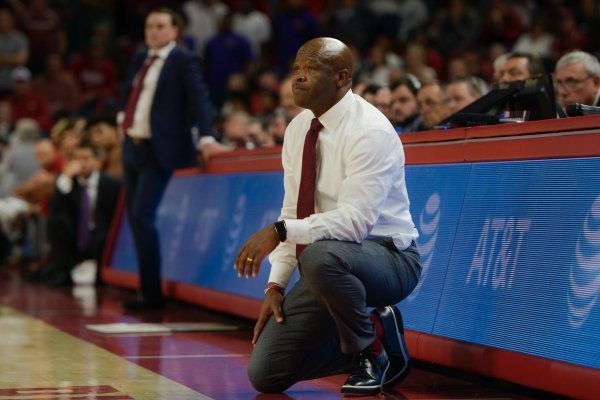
{"points": [[267, 378]]}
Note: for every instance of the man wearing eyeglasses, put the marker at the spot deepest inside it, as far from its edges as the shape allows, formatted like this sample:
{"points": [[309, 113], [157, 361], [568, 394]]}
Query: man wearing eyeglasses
{"points": [[577, 79]]}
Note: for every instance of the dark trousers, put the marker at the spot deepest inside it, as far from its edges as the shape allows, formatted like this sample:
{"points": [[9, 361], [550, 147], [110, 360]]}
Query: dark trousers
{"points": [[326, 316], [64, 253], [145, 184]]}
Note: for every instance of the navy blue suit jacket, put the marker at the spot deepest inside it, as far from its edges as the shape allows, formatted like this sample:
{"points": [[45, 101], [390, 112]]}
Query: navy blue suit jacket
{"points": [[180, 102]]}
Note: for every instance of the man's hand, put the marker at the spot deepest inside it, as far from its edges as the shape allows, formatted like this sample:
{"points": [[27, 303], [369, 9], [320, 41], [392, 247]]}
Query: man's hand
{"points": [[72, 169], [213, 148], [254, 250], [271, 306]]}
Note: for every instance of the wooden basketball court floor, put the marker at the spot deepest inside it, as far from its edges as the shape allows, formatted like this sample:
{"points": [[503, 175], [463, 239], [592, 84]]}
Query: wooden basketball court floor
{"points": [[47, 352]]}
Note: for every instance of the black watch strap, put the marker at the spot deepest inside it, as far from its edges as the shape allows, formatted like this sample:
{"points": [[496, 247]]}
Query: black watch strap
{"points": [[281, 230]]}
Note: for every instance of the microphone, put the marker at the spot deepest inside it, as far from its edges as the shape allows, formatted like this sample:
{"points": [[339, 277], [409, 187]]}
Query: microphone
{"points": [[578, 109]]}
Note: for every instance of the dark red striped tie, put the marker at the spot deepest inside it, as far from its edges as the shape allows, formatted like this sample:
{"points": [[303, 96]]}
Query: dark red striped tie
{"points": [[135, 94], [306, 192]]}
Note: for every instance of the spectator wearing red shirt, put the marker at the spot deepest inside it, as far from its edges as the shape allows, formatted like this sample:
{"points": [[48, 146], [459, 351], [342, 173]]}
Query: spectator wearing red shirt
{"points": [[59, 87], [25, 102], [98, 78], [43, 28], [569, 36]]}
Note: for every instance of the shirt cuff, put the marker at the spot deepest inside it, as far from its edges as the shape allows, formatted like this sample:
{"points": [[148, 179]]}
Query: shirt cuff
{"points": [[298, 231], [64, 184], [281, 274]]}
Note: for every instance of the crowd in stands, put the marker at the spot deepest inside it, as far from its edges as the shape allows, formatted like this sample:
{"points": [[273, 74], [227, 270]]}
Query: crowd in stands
{"points": [[417, 61]]}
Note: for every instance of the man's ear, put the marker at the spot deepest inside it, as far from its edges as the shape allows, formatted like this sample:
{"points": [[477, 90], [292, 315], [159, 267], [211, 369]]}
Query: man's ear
{"points": [[344, 78]]}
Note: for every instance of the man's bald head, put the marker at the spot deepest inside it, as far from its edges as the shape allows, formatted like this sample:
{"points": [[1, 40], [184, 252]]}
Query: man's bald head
{"points": [[322, 74], [45, 153], [331, 51]]}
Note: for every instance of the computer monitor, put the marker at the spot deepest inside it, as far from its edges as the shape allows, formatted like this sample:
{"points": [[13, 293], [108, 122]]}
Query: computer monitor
{"points": [[534, 95], [537, 97]]}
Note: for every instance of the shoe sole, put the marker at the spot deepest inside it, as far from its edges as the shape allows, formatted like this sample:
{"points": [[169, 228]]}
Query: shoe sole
{"points": [[394, 380], [350, 391]]}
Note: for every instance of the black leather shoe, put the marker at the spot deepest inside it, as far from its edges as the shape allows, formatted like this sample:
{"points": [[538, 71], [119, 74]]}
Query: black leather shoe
{"points": [[367, 374], [394, 344], [140, 304], [59, 279]]}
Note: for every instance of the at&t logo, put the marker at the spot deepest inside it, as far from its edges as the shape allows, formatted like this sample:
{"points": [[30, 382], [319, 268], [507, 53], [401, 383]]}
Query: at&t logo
{"points": [[429, 222], [584, 277]]}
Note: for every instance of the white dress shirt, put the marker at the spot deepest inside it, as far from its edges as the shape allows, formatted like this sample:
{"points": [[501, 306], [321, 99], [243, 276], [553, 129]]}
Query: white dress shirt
{"points": [[140, 127], [64, 185], [360, 189]]}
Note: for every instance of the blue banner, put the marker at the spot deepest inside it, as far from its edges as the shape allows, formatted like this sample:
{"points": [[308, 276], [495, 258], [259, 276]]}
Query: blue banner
{"points": [[510, 250]]}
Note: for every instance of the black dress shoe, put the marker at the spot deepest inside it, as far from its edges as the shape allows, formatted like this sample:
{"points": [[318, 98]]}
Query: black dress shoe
{"points": [[59, 279], [141, 304], [367, 374], [394, 344]]}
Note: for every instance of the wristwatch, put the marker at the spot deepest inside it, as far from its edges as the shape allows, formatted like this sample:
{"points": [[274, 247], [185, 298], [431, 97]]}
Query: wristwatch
{"points": [[281, 230]]}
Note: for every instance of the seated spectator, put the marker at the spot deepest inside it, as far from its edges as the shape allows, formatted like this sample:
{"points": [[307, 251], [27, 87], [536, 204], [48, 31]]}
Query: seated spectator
{"points": [[264, 90], [370, 92], [37, 190], [36, 193], [252, 24], [568, 35], [463, 91], [577, 79], [276, 125], [59, 87], [383, 101], [537, 40], [415, 63], [102, 131], [26, 103], [433, 105], [19, 162], [258, 134], [67, 134], [44, 29], [376, 68], [14, 48], [81, 211], [236, 131], [17, 167], [520, 66], [7, 125], [501, 23], [404, 111], [97, 77], [225, 54], [286, 99], [457, 67], [497, 65]]}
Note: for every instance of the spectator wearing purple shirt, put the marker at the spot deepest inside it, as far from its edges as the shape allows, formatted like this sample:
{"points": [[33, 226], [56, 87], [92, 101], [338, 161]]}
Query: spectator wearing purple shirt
{"points": [[293, 26], [225, 54]]}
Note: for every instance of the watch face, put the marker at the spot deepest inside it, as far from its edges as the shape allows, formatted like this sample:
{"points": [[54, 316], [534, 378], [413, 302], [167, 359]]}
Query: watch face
{"points": [[281, 230]]}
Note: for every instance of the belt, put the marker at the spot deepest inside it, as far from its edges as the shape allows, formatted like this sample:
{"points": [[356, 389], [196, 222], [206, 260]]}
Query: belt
{"points": [[139, 141]]}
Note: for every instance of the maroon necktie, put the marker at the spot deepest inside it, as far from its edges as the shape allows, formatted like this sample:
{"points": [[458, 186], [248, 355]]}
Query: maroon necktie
{"points": [[306, 193], [135, 93]]}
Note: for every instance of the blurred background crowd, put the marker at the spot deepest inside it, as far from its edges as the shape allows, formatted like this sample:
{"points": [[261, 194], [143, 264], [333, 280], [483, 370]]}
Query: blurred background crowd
{"points": [[62, 63]]}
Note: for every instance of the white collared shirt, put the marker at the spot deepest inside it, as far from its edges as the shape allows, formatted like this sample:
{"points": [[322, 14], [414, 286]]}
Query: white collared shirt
{"points": [[360, 191], [140, 127]]}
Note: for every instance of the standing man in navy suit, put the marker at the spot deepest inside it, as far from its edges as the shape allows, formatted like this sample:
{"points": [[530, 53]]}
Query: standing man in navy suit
{"points": [[164, 97]]}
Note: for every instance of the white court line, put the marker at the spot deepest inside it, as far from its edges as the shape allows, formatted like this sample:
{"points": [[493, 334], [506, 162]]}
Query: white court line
{"points": [[189, 356]]}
